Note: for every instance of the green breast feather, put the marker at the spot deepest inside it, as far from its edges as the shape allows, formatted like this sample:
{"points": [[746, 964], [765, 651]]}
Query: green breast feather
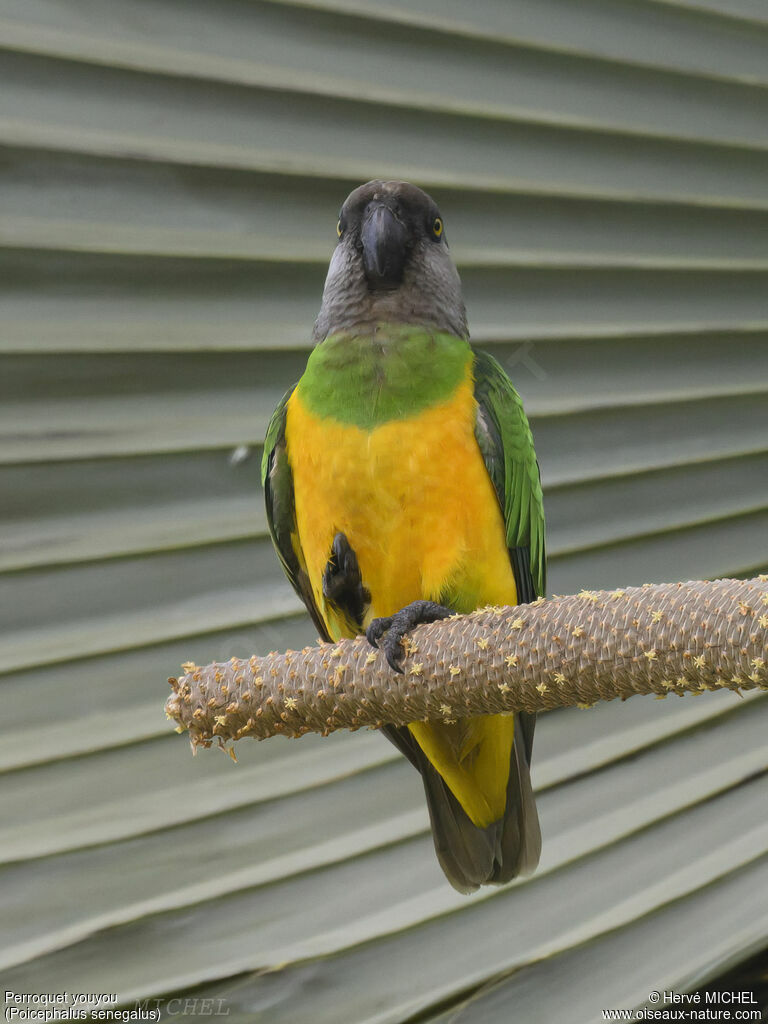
{"points": [[390, 372]]}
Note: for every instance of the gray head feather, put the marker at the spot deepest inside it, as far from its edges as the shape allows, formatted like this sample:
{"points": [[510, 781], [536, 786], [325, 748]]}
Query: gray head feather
{"points": [[409, 278]]}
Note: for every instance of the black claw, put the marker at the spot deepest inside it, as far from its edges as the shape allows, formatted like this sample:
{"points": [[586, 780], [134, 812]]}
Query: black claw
{"points": [[377, 629], [396, 626], [394, 656]]}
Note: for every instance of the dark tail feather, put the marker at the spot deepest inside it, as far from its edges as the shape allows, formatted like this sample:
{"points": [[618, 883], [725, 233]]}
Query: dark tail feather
{"points": [[472, 856], [521, 836]]}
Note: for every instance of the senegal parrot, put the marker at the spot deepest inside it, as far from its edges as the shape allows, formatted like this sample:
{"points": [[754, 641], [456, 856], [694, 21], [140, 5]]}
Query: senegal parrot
{"points": [[401, 487]]}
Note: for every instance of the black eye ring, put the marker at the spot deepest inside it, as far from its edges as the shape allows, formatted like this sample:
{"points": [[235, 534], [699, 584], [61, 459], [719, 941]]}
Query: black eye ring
{"points": [[437, 227]]}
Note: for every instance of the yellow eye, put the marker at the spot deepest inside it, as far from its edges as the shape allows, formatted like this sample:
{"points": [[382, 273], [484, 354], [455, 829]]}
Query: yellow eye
{"points": [[338, 228], [437, 227]]}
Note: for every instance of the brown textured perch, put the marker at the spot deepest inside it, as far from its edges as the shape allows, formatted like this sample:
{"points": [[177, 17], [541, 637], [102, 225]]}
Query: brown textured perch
{"points": [[671, 638]]}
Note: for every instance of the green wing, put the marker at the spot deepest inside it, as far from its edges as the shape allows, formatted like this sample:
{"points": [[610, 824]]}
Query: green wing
{"points": [[277, 481], [502, 431]]}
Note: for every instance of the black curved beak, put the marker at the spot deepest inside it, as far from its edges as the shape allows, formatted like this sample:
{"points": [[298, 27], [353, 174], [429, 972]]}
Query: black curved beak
{"points": [[384, 241]]}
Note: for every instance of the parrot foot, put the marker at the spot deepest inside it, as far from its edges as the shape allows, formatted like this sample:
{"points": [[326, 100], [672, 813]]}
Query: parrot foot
{"points": [[394, 627], [343, 582]]}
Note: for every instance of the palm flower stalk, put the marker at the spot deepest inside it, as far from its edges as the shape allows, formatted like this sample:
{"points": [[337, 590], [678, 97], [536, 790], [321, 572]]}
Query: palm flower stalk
{"points": [[672, 638]]}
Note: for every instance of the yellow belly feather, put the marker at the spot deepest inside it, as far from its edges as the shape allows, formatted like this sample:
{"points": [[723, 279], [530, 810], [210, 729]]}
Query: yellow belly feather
{"points": [[415, 501]]}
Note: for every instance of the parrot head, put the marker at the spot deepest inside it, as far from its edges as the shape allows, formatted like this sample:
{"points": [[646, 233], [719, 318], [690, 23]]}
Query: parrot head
{"points": [[391, 264]]}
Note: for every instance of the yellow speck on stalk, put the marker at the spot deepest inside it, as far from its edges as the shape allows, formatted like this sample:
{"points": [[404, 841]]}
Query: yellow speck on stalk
{"points": [[454, 670], [221, 720], [188, 666], [370, 658], [577, 631], [517, 624], [559, 677], [417, 669], [511, 660], [482, 642], [656, 616], [699, 661], [338, 675], [763, 620], [542, 688], [650, 655], [291, 703], [505, 687]]}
